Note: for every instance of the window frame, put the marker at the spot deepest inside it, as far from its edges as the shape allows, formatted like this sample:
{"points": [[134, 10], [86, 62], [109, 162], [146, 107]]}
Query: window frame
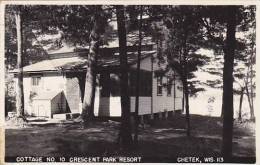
{"points": [[159, 85], [169, 94], [35, 81]]}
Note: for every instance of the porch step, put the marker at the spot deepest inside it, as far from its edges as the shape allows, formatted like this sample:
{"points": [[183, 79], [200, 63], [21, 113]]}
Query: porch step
{"points": [[65, 116]]}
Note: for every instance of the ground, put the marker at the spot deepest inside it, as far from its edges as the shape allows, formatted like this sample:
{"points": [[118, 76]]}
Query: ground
{"points": [[160, 140]]}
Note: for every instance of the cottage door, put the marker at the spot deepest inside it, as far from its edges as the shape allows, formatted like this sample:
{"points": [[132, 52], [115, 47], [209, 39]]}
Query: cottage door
{"points": [[41, 111]]}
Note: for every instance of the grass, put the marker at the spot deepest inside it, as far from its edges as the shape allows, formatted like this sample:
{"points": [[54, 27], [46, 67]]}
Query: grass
{"points": [[160, 139]]}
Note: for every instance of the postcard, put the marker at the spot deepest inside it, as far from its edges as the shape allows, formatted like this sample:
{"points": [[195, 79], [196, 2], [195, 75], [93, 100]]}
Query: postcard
{"points": [[127, 82]]}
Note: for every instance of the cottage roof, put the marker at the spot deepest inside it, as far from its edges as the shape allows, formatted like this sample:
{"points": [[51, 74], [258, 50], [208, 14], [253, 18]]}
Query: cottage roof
{"points": [[68, 63]]}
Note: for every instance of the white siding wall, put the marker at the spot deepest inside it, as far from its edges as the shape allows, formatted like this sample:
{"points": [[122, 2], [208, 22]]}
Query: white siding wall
{"points": [[109, 106], [179, 95], [115, 106], [178, 103], [144, 102], [48, 106], [48, 82], [164, 102], [41, 108], [54, 82], [144, 105]]}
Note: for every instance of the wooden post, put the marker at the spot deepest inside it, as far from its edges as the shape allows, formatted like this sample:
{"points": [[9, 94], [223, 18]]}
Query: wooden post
{"points": [[166, 114], [160, 115], [174, 92], [152, 116]]}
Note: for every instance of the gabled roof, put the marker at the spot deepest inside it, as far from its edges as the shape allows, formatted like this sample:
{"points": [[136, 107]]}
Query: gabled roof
{"points": [[80, 62], [46, 95]]}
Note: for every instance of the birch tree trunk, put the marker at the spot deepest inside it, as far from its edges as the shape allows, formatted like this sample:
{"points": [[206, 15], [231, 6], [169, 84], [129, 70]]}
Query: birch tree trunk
{"points": [[240, 103], [185, 83], [252, 115], [20, 92], [90, 82]]}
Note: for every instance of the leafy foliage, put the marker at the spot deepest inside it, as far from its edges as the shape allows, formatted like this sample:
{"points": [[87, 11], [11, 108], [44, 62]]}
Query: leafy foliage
{"points": [[73, 23]]}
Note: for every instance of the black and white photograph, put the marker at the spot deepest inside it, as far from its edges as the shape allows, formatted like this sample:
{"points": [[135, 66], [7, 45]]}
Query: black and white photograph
{"points": [[120, 83]]}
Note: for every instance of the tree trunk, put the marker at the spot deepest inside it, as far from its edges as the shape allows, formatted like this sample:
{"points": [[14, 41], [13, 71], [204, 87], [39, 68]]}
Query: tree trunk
{"points": [[240, 103], [125, 137], [227, 102], [185, 81], [186, 94], [252, 116], [138, 77], [90, 84], [252, 113], [222, 113], [20, 92]]}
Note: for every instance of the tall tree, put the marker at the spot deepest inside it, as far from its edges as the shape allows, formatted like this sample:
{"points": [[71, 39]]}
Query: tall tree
{"points": [[90, 83], [221, 24], [229, 54], [20, 92], [249, 23], [182, 44], [215, 32], [125, 128], [138, 74], [244, 73], [229, 17], [251, 63]]}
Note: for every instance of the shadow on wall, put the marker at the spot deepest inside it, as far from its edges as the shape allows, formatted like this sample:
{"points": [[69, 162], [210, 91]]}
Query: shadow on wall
{"points": [[63, 99]]}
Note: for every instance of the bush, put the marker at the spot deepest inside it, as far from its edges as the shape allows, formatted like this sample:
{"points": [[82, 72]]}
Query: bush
{"points": [[10, 94], [9, 104]]}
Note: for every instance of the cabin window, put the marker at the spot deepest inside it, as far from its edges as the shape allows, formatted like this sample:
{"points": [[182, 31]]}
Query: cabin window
{"points": [[159, 86], [36, 81], [169, 86]]}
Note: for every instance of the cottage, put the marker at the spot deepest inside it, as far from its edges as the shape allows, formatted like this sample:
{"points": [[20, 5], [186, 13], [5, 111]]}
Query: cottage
{"points": [[47, 103], [56, 84]]}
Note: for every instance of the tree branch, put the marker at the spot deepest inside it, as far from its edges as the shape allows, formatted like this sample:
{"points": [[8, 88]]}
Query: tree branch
{"points": [[217, 40]]}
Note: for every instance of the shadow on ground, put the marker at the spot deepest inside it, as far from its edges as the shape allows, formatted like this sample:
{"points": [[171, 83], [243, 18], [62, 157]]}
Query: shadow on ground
{"points": [[158, 140]]}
